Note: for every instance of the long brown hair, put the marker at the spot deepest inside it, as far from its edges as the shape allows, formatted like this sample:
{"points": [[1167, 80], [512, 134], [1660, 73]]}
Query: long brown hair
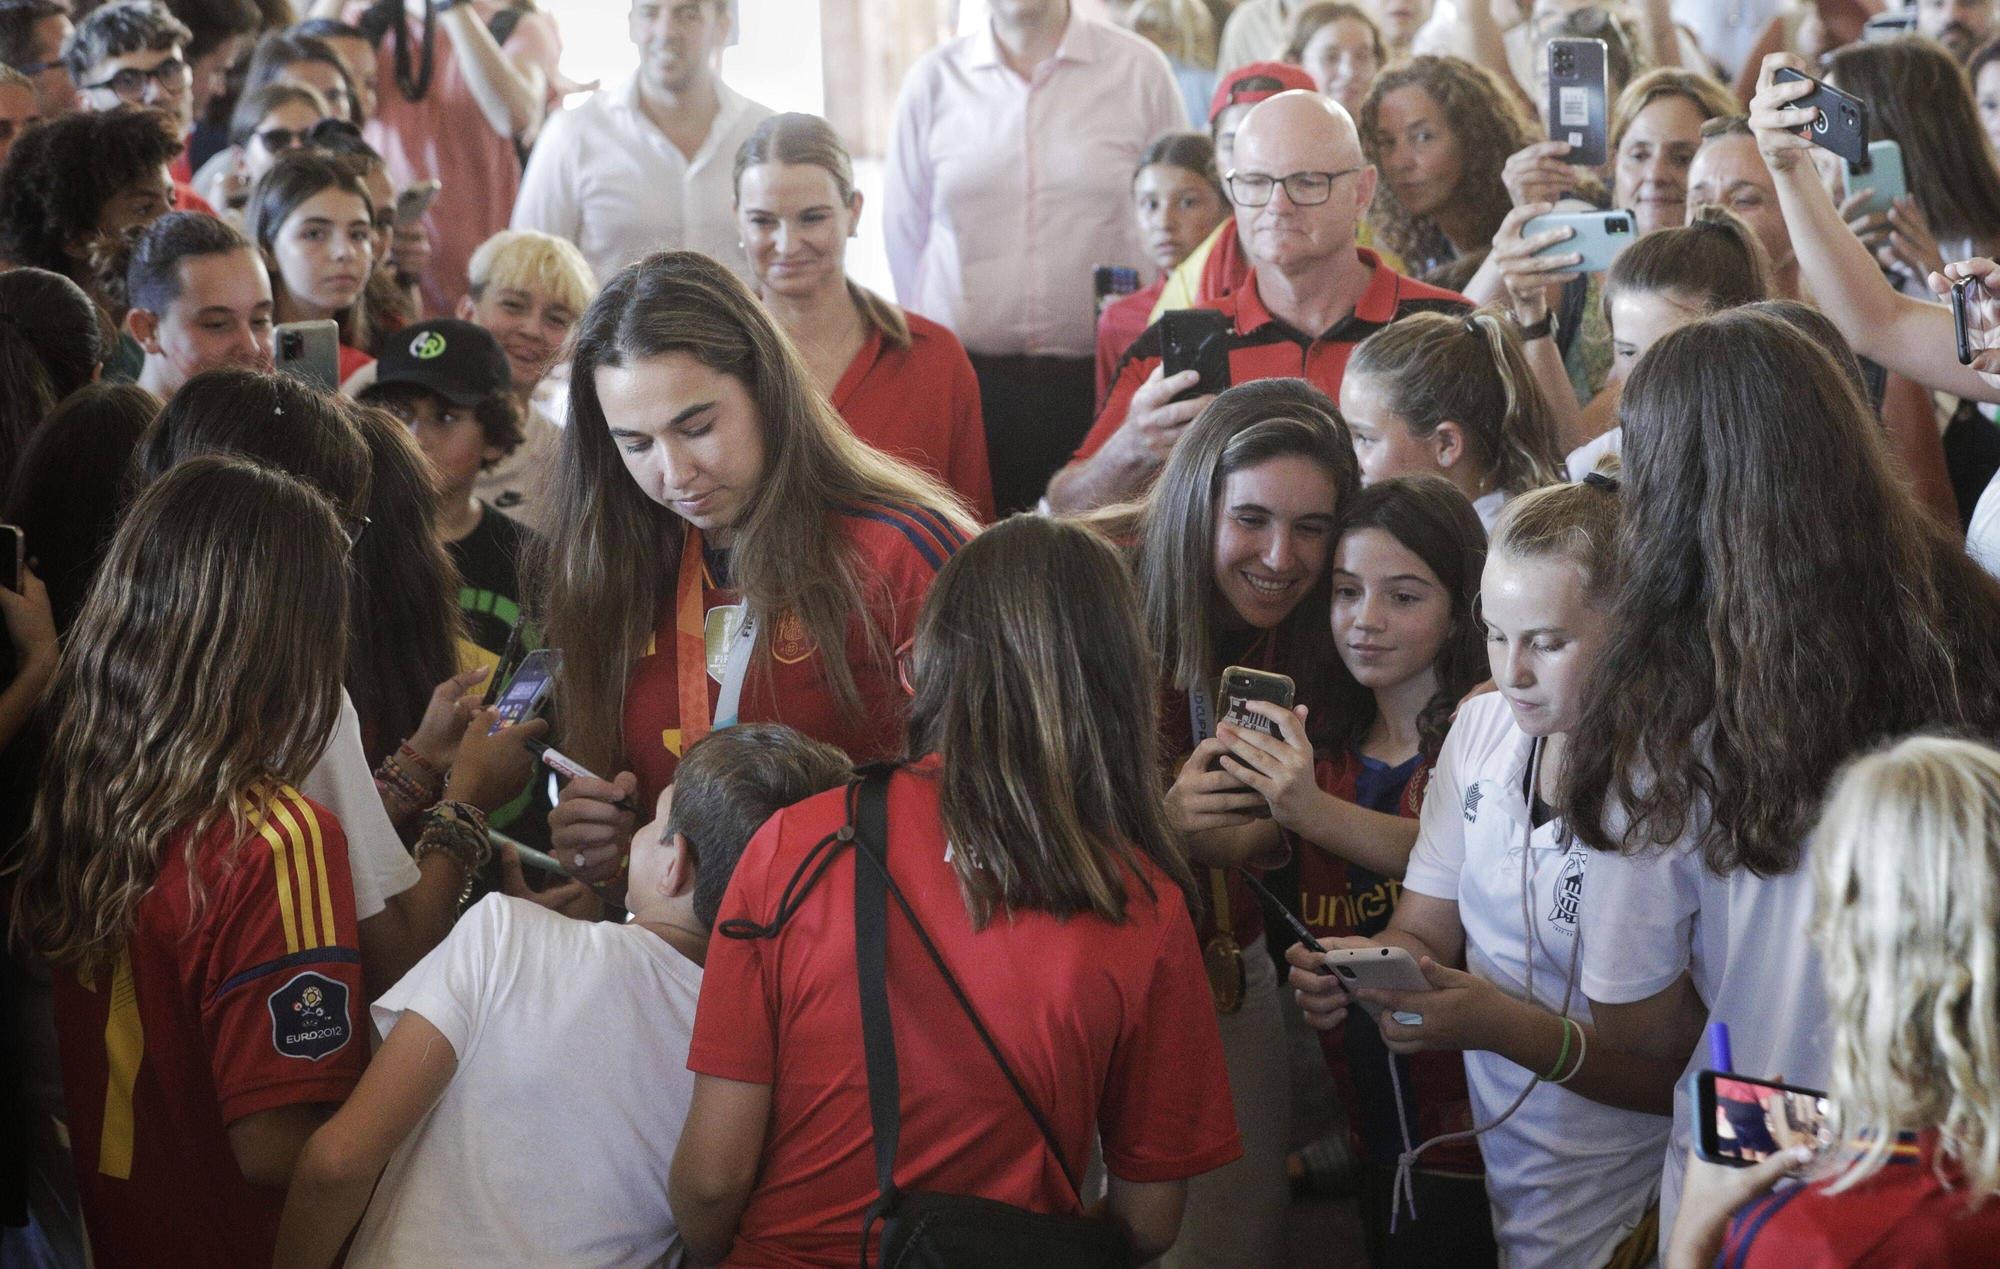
{"points": [[810, 141], [1247, 425], [1430, 517], [297, 176], [1713, 262], [1490, 124], [1783, 602], [597, 583], [203, 674], [1919, 97], [1035, 687], [1473, 371]]}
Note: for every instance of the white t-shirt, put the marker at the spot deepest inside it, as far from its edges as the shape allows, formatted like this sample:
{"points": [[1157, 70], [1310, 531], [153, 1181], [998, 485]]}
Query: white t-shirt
{"points": [[1982, 540], [1747, 940], [1583, 459], [552, 1142], [1569, 1178], [344, 784]]}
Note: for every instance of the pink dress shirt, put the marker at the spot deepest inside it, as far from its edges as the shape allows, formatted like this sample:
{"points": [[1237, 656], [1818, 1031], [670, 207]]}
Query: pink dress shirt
{"points": [[1002, 193]]}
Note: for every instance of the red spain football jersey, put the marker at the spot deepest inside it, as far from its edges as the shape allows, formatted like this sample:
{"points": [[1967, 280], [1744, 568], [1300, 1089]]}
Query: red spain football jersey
{"points": [[251, 1002], [898, 549]]}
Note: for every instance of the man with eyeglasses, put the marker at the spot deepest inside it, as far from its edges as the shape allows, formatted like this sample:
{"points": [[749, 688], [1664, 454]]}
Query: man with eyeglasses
{"points": [[131, 53], [1300, 187], [32, 35]]}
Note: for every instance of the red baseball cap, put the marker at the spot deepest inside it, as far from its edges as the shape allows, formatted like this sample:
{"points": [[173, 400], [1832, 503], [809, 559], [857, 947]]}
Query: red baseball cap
{"points": [[1250, 84]]}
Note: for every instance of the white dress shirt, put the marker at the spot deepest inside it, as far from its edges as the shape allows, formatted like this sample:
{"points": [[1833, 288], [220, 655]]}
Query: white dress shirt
{"points": [[1002, 193], [1257, 31], [604, 177]]}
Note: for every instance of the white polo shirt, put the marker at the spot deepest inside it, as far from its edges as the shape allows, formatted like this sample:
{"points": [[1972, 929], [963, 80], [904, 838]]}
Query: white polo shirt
{"points": [[1746, 939], [605, 178], [1569, 1178]]}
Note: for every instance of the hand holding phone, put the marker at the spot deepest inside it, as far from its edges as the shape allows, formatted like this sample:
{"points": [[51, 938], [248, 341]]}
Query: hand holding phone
{"points": [[1598, 237], [310, 351], [1384, 969], [1241, 685], [1196, 339], [527, 694], [1740, 1121], [1841, 122], [1578, 103]]}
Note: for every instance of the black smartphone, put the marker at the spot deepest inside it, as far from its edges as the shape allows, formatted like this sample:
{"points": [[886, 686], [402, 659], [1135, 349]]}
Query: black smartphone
{"points": [[1109, 281], [1740, 1121], [13, 556], [528, 692], [1240, 686], [1964, 294], [1842, 122], [1579, 99], [1196, 339]]}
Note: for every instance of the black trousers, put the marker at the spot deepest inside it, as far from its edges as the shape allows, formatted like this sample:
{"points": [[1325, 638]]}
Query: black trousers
{"points": [[1037, 410]]}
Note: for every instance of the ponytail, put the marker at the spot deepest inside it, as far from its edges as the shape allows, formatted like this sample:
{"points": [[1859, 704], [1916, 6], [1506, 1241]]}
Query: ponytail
{"points": [[1473, 371], [1711, 263]]}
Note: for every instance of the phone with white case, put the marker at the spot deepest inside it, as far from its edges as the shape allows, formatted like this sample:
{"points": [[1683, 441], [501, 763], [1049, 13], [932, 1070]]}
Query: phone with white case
{"points": [[1382, 968]]}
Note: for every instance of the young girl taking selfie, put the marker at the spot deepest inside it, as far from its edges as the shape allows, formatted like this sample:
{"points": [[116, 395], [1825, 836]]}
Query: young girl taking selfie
{"points": [[196, 908], [1405, 598], [1493, 884], [1452, 397]]}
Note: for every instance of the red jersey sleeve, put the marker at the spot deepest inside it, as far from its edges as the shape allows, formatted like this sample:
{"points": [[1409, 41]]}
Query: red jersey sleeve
{"points": [[736, 1018], [281, 999], [1167, 1113]]}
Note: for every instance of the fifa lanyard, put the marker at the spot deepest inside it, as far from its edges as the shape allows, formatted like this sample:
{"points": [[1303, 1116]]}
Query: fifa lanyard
{"points": [[691, 650]]}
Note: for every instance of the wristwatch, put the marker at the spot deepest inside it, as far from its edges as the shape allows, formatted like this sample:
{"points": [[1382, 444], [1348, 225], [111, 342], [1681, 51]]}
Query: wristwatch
{"points": [[1543, 329]]}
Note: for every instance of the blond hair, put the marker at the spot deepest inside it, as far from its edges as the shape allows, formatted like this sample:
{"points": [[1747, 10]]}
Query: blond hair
{"points": [[1576, 523], [1182, 29], [1906, 867], [529, 260]]}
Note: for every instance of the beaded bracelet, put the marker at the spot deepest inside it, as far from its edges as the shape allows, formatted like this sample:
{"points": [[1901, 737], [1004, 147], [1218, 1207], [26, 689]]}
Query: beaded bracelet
{"points": [[457, 829]]}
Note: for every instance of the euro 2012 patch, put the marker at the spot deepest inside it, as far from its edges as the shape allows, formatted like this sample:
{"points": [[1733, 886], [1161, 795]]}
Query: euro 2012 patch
{"points": [[309, 1017]]}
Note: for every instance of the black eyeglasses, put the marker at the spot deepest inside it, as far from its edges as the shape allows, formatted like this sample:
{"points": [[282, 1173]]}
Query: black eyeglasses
{"points": [[1305, 189], [129, 84], [275, 139]]}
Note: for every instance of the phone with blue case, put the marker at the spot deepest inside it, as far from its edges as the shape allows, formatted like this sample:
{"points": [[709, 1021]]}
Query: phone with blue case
{"points": [[1599, 236], [1883, 179]]}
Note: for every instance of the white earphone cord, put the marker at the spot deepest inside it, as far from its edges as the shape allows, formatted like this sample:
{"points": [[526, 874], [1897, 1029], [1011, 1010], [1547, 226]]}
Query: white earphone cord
{"points": [[1402, 1190]]}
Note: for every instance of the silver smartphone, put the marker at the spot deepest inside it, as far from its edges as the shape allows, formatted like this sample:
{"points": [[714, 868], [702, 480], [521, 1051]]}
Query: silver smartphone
{"points": [[311, 351]]}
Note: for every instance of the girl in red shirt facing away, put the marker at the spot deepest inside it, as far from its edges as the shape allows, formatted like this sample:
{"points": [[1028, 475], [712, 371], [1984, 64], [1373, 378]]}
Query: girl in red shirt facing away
{"points": [[312, 219], [728, 549], [1906, 872], [902, 382], [1029, 842], [1405, 623], [1233, 546], [193, 907]]}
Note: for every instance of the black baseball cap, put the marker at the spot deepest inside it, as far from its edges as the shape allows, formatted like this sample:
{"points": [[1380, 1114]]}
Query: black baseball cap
{"points": [[458, 360]]}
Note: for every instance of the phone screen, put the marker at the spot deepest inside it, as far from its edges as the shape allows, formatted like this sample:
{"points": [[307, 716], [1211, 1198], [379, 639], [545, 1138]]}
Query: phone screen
{"points": [[524, 696], [1746, 1121]]}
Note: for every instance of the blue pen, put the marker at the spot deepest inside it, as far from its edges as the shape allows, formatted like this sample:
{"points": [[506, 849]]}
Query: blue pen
{"points": [[1719, 1057]]}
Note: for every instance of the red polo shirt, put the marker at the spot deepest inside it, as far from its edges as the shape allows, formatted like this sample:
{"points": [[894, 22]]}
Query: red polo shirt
{"points": [[921, 404], [1122, 321], [1262, 347]]}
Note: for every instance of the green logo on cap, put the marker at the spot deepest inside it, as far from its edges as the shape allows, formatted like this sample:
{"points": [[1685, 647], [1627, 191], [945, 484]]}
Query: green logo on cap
{"points": [[428, 345]]}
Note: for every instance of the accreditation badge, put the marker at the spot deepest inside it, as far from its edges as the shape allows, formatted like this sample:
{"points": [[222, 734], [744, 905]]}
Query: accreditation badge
{"points": [[718, 631]]}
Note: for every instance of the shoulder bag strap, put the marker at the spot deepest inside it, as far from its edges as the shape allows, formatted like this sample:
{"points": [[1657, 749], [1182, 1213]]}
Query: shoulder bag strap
{"points": [[871, 838], [878, 1032]]}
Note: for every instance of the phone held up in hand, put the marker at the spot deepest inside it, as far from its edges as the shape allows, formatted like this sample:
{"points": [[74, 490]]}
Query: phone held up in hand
{"points": [[1241, 685], [1599, 236], [1965, 293], [1741, 1121], [1882, 178], [1196, 339], [527, 695], [1578, 105], [1841, 124], [1381, 968], [310, 351]]}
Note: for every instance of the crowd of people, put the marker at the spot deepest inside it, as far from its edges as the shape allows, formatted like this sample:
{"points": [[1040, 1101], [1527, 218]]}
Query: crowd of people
{"points": [[496, 611]]}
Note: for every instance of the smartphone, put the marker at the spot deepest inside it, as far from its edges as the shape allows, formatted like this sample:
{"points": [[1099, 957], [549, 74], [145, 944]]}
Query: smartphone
{"points": [[1881, 177], [414, 201], [1578, 105], [1383, 968], [1964, 294], [1239, 687], [13, 556], [1109, 281], [1196, 339], [510, 652], [1842, 122], [1600, 236], [1889, 26], [528, 692], [1740, 1121], [310, 351]]}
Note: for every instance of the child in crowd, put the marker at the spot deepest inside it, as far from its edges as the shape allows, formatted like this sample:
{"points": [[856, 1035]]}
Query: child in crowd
{"points": [[1453, 396], [451, 384], [485, 1019], [1405, 602], [195, 907], [312, 218], [1494, 883]]}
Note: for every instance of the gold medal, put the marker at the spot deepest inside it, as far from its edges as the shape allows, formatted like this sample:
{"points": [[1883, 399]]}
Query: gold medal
{"points": [[1223, 960]]}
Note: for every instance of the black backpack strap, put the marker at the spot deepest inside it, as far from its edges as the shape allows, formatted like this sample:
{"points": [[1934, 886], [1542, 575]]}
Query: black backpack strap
{"points": [[871, 875], [871, 963]]}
